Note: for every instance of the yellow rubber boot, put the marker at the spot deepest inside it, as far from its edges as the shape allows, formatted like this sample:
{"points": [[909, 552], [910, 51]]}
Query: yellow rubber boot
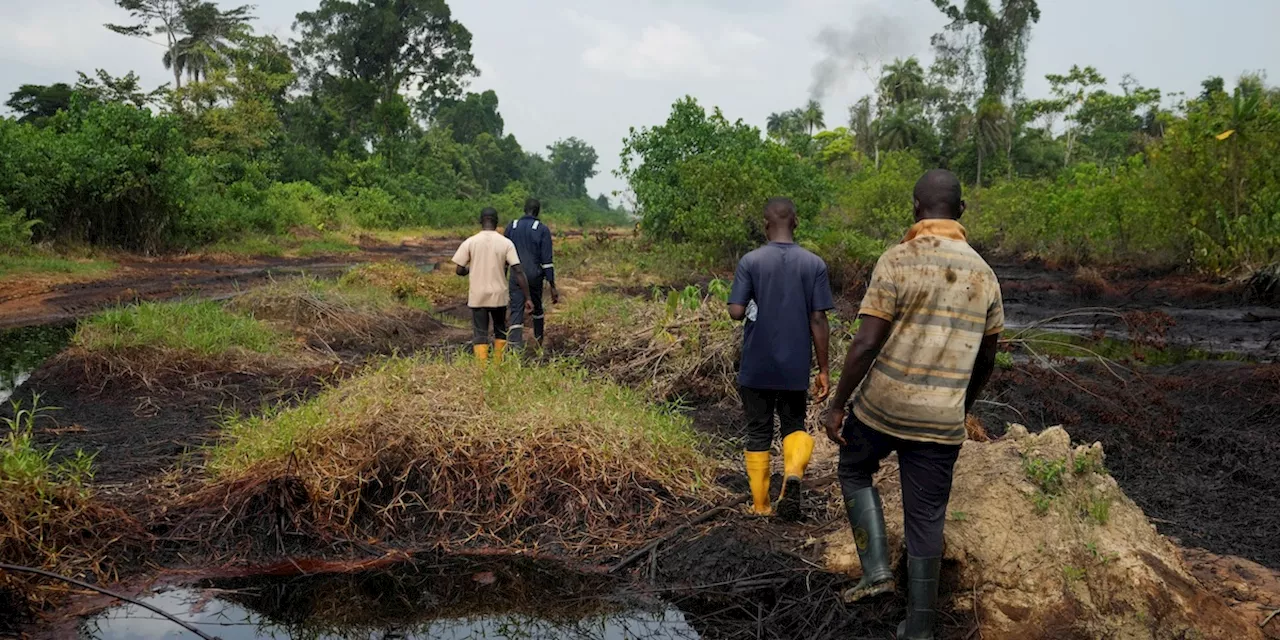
{"points": [[482, 352], [758, 476], [499, 346], [797, 448]]}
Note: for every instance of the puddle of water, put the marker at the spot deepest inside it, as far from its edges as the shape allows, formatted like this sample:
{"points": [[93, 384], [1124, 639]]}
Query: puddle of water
{"points": [[23, 349], [443, 597], [231, 621]]}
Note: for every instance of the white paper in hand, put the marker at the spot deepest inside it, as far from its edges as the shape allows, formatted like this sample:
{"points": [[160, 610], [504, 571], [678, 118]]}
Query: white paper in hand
{"points": [[751, 310]]}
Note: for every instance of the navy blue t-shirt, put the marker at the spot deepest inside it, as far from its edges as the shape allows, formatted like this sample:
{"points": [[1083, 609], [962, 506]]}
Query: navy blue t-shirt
{"points": [[787, 283]]}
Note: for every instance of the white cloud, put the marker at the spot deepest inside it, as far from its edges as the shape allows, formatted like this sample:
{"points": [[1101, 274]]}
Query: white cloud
{"points": [[664, 49]]}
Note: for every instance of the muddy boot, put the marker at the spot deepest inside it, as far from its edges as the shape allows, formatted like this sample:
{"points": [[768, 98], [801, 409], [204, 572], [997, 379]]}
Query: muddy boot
{"points": [[797, 448], [758, 476], [866, 516], [922, 596]]}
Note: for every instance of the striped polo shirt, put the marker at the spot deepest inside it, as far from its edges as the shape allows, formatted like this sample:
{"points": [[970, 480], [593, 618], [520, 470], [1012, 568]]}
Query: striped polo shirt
{"points": [[942, 298]]}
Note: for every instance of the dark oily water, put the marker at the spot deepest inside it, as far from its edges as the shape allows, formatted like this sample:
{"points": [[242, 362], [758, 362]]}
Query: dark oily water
{"points": [[23, 349], [446, 598]]}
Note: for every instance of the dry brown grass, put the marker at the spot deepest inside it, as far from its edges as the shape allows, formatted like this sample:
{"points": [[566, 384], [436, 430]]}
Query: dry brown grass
{"points": [[683, 348], [427, 452], [408, 283], [333, 317]]}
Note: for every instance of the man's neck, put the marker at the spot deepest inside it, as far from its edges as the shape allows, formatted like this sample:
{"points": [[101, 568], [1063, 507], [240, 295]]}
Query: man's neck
{"points": [[782, 239]]}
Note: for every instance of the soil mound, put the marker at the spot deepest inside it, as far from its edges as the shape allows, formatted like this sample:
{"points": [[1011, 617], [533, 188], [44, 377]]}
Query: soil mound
{"points": [[1046, 545]]}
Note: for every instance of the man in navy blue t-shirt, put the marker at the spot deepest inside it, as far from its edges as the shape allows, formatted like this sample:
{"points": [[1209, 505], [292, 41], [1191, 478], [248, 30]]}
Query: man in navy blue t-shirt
{"points": [[782, 292]]}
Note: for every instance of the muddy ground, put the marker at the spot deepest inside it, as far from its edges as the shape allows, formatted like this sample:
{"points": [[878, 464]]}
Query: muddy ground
{"points": [[1194, 444], [37, 301]]}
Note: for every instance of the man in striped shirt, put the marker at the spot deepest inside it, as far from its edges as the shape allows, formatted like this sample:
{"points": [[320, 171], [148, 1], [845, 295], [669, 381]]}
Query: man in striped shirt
{"points": [[931, 319]]}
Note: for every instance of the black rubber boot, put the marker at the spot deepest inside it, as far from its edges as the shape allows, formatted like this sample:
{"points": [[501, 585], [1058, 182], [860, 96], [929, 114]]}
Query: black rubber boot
{"points": [[866, 516], [922, 596], [539, 328]]}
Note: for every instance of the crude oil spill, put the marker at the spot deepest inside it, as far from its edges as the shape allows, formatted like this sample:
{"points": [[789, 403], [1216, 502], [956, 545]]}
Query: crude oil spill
{"points": [[23, 349], [449, 599]]}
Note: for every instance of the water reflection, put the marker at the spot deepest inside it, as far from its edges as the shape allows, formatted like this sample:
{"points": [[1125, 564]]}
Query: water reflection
{"points": [[438, 597], [23, 349], [231, 621]]}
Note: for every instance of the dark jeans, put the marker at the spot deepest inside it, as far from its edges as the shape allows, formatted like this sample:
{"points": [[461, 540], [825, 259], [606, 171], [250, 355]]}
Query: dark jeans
{"points": [[517, 308], [480, 317], [760, 405], [925, 469]]}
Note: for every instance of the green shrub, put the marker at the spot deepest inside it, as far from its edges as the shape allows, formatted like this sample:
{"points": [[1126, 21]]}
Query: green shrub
{"points": [[204, 328]]}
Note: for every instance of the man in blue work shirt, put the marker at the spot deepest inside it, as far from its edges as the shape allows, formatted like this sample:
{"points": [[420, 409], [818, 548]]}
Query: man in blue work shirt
{"points": [[533, 242], [782, 292]]}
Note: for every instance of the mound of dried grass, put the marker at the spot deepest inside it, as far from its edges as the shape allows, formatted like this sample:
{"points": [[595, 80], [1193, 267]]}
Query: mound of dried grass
{"points": [[408, 283], [685, 348], [332, 317], [173, 345], [1264, 284], [426, 452]]}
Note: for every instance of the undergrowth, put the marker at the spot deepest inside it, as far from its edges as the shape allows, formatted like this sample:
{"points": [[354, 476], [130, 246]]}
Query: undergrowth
{"points": [[28, 263], [50, 517], [450, 453]]}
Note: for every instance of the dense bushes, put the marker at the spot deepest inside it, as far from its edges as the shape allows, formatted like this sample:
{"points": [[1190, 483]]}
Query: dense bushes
{"points": [[103, 173]]}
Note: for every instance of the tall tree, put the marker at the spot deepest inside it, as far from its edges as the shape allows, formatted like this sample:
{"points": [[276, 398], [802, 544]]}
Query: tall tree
{"points": [[573, 162], [862, 121], [901, 82], [153, 18], [209, 32], [35, 103], [389, 45], [812, 117], [471, 116]]}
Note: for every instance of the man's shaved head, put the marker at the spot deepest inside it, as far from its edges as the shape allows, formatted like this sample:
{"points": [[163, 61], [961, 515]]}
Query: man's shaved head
{"points": [[780, 210], [779, 219], [489, 218], [938, 195]]}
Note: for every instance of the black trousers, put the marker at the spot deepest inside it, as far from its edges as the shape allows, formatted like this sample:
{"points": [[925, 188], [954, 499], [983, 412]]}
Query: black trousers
{"points": [[925, 469], [480, 317], [517, 308], [760, 405]]}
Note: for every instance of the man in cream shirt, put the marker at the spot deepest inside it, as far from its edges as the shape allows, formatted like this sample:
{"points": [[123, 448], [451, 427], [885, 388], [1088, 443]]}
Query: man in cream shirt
{"points": [[485, 258]]}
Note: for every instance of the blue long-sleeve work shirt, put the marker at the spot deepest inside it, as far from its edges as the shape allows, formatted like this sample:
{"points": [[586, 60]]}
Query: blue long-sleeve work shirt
{"points": [[533, 242]]}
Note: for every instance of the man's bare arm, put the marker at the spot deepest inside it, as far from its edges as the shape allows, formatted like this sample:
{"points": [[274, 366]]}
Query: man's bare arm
{"points": [[982, 368], [461, 270], [820, 328], [871, 336], [738, 312]]}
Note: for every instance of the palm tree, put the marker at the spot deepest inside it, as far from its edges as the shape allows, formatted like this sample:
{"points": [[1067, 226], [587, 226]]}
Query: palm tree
{"points": [[902, 128], [862, 123], [209, 32], [776, 126], [902, 82], [1245, 103], [812, 117], [992, 128]]}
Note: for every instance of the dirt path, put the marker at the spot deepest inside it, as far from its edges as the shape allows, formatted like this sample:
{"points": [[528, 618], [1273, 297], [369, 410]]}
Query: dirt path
{"points": [[31, 301]]}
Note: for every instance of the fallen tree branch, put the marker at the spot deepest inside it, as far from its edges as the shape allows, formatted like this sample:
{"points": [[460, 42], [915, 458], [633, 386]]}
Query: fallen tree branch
{"points": [[1268, 618], [106, 592]]}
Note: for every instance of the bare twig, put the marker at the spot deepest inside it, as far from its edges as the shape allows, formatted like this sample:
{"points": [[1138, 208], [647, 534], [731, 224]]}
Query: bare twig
{"points": [[1268, 618]]}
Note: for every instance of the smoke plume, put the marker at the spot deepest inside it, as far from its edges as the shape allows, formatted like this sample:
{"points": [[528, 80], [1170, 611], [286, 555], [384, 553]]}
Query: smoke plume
{"points": [[873, 37]]}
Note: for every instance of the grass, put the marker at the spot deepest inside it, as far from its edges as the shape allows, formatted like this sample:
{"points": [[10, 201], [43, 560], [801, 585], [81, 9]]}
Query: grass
{"points": [[325, 246], [635, 262], [679, 345], [51, 517], [35, 263], [408, 283], [450, 451], [202, 328], [248, 247]]}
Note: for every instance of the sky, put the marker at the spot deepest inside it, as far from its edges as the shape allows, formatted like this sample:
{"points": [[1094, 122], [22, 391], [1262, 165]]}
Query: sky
{"points": [[594, 68]]}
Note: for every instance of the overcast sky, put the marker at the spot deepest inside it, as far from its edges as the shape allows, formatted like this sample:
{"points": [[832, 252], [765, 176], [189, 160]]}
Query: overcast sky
{"points": [[594, 68]]}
